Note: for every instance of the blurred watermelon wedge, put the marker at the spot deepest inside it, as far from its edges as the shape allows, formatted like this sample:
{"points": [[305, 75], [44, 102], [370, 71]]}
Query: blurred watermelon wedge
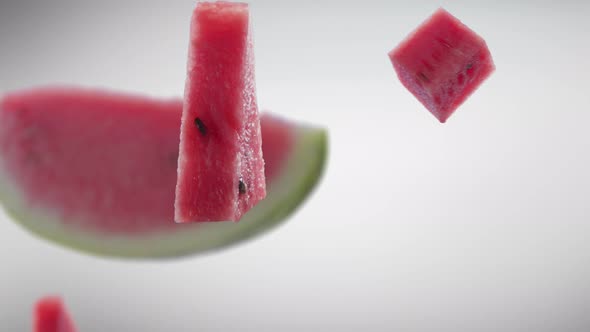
{"points": [[96, 171]]}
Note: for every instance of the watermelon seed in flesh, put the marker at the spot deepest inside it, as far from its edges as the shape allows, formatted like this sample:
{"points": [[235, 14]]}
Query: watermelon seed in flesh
{"points": [[116, 198], [242, 187], [201, 126]]}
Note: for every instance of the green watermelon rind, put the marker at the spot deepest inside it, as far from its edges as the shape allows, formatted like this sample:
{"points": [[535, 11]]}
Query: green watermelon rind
{"points": [[301, 173]]}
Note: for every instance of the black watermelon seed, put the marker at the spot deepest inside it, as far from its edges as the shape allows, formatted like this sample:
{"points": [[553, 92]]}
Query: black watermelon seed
{"points": [[242, 187], [201, 126], [469, 65], [423, 77]]}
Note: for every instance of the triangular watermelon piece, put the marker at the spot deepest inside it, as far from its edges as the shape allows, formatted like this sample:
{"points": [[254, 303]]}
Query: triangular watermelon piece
{"points": [[51, 315], [220, 167], [96, 171]]}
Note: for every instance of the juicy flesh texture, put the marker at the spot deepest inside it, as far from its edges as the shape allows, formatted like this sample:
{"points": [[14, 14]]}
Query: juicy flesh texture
{"points": [[221, 169], [277, 139], [104, 161], [442, 63], [50, 315]]}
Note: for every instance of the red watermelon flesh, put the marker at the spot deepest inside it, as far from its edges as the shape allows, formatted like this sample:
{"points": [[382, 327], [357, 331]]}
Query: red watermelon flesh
{"points": [[111, 158], [50, 315], [134, 138], [220, 166], [442, 63], [278, 139], [96, 171]]}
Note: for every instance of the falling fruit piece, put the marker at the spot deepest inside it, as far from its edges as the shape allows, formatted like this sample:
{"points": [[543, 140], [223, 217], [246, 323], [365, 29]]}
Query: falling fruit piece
{"points": [[221, 166], [50, 315], [442, 63]]}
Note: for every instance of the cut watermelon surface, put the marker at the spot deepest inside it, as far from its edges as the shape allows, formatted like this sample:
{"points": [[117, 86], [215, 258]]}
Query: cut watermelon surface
{"points": [[50, 315], [220, 166], [96, 171], [442, 63]]}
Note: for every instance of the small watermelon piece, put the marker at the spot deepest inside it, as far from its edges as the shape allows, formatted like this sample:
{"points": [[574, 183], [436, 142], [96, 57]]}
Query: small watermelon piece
{"points": [[96, 171], [442, 63], [51, 315], [220, 167]]}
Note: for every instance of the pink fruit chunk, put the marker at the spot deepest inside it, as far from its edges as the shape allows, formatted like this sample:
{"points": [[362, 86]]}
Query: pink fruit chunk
{"points": [[50, 315], [220, 166], [441, 63]]}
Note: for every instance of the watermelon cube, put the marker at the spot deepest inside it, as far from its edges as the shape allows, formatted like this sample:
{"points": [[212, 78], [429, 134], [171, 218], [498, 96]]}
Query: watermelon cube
{"points": [[220, 166], [441, 63]]}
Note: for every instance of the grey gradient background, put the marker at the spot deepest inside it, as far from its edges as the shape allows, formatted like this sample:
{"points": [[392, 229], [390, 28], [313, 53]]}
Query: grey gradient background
{"points": [[481, 224]]}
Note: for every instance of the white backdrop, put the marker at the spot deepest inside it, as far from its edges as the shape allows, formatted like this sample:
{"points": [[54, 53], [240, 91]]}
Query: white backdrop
{"points": [[481, 224]]}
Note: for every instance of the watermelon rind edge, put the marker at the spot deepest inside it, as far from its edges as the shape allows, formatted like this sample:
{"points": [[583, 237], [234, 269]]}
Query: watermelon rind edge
{"points": [[302, 172]]}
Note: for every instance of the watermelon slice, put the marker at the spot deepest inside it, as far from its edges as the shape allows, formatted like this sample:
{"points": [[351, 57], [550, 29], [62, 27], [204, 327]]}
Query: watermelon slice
{"points": [[442, 63], [96, 171], [50, 315], [220, 167]]}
